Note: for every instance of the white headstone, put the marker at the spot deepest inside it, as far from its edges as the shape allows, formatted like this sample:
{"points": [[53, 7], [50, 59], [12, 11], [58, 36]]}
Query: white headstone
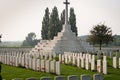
{"points": [[119, 62], [38, 64], [92, 64], [66, 59], [78, 61], [105, 66], [114, 62], [26, 63], [60, 57], [34, 64], [16, 61], [23, 61], [69, 58], [47, 66], [73, 60], [86, 64], [42, 65], [58, 68], [104, 58], [90, 58], [82, 63], [30, 63], [99, 66], [52, 66]]}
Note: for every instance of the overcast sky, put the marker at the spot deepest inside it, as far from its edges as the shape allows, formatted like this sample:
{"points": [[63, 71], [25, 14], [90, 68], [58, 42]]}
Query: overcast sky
{"points": [[20, 17]]}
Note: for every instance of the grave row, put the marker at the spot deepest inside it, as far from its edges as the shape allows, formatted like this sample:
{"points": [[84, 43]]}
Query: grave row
{"points": [[41, 55], [72, 77], [14, 50], [116, 62], [86, 61], [49, 66], [110, 54]]}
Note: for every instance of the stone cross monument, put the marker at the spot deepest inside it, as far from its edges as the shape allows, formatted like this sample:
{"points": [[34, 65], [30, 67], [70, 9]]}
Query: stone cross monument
{"points": [[65, 41], [66, 11]]}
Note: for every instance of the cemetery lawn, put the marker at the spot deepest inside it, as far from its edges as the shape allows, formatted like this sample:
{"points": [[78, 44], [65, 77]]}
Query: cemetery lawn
{"points": [[10, 72]]}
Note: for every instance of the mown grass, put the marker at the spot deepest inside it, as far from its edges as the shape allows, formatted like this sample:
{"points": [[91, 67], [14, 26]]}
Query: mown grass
{"points": [[10, 72]]}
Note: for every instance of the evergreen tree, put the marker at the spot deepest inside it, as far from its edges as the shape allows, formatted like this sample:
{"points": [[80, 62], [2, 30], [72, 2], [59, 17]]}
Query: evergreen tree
{"points": [[62, 20], [72, 21], [45, 25], [54, 24]]}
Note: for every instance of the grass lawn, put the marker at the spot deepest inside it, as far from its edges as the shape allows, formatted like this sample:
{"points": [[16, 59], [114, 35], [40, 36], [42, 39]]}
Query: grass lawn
{"points": [[10, 72]]}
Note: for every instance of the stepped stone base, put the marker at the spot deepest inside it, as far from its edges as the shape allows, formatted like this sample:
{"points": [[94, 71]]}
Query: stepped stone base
{"points": [[65, 41]]}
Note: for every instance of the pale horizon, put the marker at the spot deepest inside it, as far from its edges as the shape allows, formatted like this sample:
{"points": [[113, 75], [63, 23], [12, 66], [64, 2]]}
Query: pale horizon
{"points": [[20, 17]]}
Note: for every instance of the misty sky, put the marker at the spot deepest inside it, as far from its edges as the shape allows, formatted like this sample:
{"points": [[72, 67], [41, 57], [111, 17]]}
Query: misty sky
{"points": [[20, 17]]}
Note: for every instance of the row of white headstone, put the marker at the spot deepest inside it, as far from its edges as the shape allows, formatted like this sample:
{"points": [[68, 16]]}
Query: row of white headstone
{"points": [[86, 61], [41, 55], [14, 50], [116, 62], [49, 66]]}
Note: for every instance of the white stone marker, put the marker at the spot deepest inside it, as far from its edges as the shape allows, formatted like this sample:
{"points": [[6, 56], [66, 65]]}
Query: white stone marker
{"points": [[69, 58], [78, 61], [7, 59], [119, 62], [34, 64], [66, 59], [99, 66], [60, 57], [73, 60], [92, 64], [19, 60], [38, 64], [47, 66], [26, 63], [52, 66], [42, 65], [58, 68], [16, 61], [13, 60], [23, 61], [30, 63], [82, 63], [105, 66], [86, 63], [90, 58], [114, 62], [104, 58]]}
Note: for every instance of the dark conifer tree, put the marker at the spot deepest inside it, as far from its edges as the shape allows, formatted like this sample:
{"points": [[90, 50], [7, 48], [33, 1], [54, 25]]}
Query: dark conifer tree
{"points": [[54, 24], [72, 21], [45, 25]]}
